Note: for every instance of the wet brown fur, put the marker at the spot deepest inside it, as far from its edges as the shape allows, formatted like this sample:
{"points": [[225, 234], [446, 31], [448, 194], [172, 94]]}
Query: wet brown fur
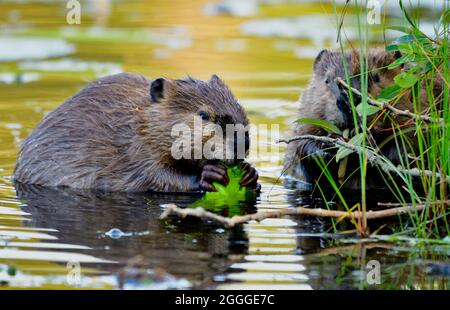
{"points": [[319, 101], [113, 136]]}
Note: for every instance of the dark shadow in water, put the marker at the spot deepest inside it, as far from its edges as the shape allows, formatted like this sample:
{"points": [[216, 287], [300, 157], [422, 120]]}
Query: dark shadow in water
{"points": [[193, 250]]}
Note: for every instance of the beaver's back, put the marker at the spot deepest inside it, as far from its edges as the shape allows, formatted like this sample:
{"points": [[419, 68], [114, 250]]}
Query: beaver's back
{"points": [[77, 141]]}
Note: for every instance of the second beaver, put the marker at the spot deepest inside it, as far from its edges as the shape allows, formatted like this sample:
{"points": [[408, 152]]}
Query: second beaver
{"points": [[324, 99], [115, 135]]}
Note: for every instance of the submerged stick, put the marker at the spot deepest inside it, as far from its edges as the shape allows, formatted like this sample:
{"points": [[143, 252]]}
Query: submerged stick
{"points": [[371, 157], [317, 212], [392, 109]]}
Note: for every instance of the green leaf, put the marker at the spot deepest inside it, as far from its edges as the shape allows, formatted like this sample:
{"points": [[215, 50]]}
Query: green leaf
{"points": [[227, 197], [406, 16], [370, 109], [409, 38], [405, 49], [12, 271], [397, 63], [428, 67], [400, 29], [344, 152], [389, 92], [342, 170], [406, 79], [391, 48], [328, 126]]}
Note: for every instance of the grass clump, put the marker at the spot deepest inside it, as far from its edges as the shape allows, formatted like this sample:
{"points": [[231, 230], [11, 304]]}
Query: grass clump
{"points": [[421, 177]]}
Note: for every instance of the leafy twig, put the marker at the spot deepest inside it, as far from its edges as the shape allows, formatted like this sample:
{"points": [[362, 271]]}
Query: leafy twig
{"points": [[393, 110], [372, 157]]}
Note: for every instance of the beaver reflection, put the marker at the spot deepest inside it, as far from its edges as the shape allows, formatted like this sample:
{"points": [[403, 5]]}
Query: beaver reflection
{"points": [[82, 217]]}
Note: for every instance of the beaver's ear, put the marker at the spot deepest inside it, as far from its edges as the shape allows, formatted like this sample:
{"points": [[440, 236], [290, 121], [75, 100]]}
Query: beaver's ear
{"points": [[323, 54], [157, 89], [215, 79]]}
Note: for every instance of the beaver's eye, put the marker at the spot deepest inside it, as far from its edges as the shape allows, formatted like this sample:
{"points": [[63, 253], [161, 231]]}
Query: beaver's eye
{"points": [[203, 115], [376, 78]]}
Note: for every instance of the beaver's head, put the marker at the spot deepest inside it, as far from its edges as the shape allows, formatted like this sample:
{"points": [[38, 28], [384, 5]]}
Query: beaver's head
{"points": [[380, 75], [329, 65], [200, 121]]}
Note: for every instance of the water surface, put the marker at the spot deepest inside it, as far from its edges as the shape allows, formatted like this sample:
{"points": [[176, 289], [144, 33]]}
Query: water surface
{"points": [[117, 240]]}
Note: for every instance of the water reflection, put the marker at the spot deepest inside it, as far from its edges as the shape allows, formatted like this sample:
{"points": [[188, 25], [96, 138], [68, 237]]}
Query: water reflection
{"points": [[274, 258], [87, 217]]}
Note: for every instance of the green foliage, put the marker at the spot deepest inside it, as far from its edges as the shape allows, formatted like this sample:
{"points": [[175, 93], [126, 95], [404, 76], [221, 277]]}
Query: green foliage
{"points": [[11, 270], [344, 152], [326, 125], [227, 197], [424, 146], [389, 92], [406, 79], [369, 109], [232, 192]]}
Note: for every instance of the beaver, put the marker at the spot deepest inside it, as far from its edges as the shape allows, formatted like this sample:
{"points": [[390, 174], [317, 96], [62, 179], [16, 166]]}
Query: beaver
{"points": [[115, 135], [325, 99]]}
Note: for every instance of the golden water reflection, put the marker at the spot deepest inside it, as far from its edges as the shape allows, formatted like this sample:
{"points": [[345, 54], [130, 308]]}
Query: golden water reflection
{"points": [[44, 61]]}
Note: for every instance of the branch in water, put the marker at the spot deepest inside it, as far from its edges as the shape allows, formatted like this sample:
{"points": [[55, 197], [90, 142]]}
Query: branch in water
{"points": [[372, 157], [396, 204], [393, 110], [317, 212]]}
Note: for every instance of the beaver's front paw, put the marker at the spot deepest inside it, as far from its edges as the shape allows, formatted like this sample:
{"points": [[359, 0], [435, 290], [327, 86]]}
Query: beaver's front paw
{"points": [[250, 179], [210, 174]]}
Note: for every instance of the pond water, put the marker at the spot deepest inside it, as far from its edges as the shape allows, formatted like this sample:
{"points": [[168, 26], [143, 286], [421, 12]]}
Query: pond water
{"points": [[60, 238]]}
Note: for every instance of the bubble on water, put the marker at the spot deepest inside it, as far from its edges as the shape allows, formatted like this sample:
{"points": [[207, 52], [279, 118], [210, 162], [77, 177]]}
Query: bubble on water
{"points": [[115, 233], [219, 278]]}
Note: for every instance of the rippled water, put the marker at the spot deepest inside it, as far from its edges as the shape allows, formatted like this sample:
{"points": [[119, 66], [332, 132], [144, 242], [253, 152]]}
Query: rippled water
{"points": [[117, 240]]}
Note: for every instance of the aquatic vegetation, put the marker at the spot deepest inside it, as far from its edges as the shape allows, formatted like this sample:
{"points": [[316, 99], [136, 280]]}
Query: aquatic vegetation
{"points": [[229, 197], [233, 191], [425, 64]]}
